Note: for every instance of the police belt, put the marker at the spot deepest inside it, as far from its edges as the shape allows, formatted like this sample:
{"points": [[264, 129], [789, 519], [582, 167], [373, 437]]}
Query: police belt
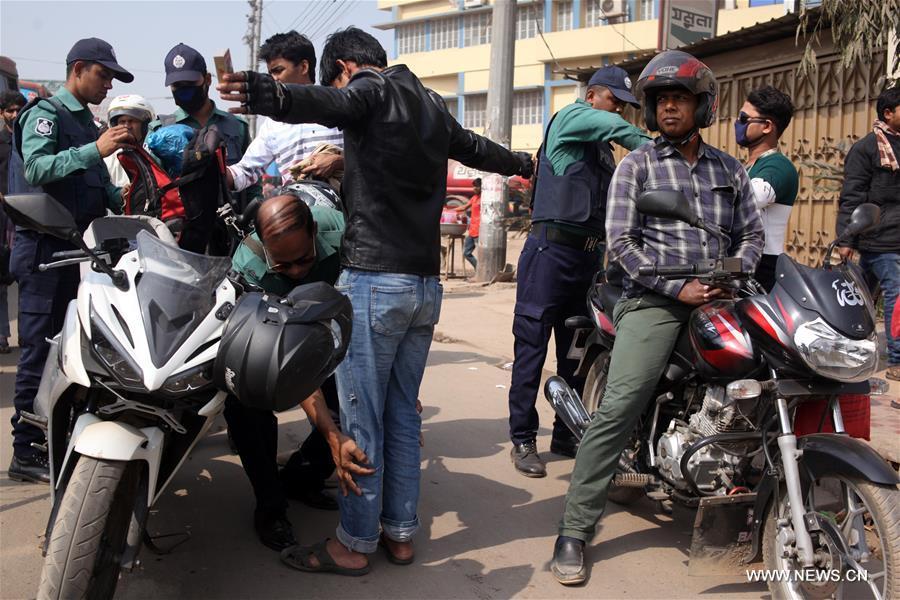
{"points": [[566, 237]]}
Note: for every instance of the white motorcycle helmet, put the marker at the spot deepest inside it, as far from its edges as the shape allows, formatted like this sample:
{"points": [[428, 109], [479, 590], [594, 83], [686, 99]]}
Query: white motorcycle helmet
{"points": [[133, 106]]}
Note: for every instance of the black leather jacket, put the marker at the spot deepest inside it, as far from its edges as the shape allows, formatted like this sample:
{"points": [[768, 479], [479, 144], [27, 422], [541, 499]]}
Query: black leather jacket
{"points": [[398, 136], [865, 180]]}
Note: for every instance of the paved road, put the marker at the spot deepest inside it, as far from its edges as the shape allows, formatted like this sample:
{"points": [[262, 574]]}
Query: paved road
{"points": [[487, 532]]}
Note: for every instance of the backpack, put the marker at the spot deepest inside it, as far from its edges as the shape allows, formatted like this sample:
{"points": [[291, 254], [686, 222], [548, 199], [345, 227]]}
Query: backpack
{"points": [[187, 204]]}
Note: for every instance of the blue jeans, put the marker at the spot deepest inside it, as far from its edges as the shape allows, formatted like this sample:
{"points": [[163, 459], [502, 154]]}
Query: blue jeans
{"points": [[885, 269], [378, 385], [4, 311], [469, 250]]}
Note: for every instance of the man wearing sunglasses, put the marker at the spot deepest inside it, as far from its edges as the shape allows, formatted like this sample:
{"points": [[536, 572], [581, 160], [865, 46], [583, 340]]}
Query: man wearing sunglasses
{"points": [[762, 121], [294, 244]]}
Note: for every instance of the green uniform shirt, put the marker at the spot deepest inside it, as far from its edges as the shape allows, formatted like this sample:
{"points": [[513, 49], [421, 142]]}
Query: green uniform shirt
{"points": [[217, 116], [778, 170], [580, 123], [43, 164], [328, 259]]}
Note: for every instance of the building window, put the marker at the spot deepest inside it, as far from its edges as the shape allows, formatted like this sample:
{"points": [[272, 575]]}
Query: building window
{"points": [[452, 107], [646, 10], [411, 38], [477, 29], [528, 107], [475, 108], [526, 22], [444, 33], [564, 16], [595, 16]]}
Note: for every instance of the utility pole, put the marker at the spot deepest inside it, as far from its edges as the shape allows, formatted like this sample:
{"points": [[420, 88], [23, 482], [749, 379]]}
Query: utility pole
{"points": [[492, 235], [252, 38]]}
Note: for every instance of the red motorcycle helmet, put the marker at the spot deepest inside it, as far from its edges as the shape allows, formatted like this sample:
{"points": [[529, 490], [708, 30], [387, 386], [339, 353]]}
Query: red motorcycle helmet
{"points": [[677, 69]]}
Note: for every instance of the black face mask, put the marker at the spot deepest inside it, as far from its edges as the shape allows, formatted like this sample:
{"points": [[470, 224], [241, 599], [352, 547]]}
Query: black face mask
{"points": [[190, 98]]}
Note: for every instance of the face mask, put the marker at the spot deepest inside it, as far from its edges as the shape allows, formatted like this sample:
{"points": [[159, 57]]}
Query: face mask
{"points": [[190, 98], [740, 134]]}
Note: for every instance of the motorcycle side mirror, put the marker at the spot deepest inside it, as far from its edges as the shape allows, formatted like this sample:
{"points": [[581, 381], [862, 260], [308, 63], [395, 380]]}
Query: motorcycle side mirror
{"points": [[667, 204], [864, 217], [42, 213]]}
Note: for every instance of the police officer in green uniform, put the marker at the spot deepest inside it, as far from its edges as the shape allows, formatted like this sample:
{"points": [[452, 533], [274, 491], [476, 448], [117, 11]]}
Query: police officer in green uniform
{"points": [[62, 154], [294, 245], [189, 81]]}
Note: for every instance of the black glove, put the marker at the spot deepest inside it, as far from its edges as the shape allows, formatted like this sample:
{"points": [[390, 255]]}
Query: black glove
{"points": [[527, 168], [265, 96]]}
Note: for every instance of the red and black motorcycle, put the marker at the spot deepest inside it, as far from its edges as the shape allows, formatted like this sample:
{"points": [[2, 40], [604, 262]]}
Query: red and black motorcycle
{"points": [[719, 434]]}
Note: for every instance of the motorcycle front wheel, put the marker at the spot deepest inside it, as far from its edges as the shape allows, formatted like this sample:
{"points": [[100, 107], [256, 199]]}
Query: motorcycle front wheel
{"points": [[856, 543], [594, 390], [90, 533]]}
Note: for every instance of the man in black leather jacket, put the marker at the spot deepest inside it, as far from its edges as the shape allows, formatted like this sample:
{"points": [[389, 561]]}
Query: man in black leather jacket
{"points": [[872, 174], [398, 136]]}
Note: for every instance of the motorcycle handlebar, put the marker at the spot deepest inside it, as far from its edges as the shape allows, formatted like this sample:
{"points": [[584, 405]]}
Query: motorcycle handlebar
{"points": [[667, 270], [68, 254]]}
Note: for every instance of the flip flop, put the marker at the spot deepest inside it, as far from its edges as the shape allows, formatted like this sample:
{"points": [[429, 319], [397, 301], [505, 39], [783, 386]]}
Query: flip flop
{"points": [[298, 557], [393, 557]]}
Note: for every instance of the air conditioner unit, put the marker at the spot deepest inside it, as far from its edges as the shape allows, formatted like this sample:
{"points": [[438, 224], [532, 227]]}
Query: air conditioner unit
{"points": [[612, 9], [473, 3]]}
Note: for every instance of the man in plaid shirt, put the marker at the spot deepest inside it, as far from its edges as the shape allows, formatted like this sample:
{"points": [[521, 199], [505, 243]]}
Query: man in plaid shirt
{"points": [[679, 97]]}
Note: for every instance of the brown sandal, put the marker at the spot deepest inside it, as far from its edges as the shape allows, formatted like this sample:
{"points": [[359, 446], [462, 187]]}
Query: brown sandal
{"points": [[298, 557]]}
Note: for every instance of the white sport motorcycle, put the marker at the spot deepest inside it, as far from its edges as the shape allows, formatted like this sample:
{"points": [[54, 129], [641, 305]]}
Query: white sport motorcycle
{"points": [[127, 389]]}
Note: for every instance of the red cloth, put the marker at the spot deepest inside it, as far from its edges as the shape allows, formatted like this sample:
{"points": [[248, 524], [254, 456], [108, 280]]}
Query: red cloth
{"points": [[856, 411], [895, 319], [475, 220]]}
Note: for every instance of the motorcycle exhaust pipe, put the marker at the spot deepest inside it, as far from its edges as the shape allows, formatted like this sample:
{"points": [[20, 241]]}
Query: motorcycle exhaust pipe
{"points": [[567, 405]]}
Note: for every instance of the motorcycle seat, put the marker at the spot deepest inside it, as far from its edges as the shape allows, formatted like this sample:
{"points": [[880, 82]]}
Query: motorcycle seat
{"points": [[607, 295]]}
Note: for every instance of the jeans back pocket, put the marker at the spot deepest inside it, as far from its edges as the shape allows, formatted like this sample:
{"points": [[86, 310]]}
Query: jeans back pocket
{"points": [[392, 309]]}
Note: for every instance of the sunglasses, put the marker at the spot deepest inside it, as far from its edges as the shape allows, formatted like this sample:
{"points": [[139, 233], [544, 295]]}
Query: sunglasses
{"points": [[744, 118], [284, 266]]}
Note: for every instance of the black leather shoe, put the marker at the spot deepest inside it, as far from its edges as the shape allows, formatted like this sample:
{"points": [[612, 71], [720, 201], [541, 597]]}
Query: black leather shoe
{"points": [[564, 447], [274, 531], [30, 468], [527, 461], [568, 561]]}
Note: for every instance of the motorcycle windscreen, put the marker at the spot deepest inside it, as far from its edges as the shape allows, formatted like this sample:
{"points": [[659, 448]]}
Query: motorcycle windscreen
{"points": [[176, 291], [839, 295]]}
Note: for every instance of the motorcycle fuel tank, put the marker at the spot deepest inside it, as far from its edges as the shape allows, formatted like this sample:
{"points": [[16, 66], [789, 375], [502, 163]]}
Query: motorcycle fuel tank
{"points": [[722, 348]]}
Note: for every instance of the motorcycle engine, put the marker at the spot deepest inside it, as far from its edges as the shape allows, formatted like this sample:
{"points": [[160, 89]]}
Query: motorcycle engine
{"points": [[718, 414]]}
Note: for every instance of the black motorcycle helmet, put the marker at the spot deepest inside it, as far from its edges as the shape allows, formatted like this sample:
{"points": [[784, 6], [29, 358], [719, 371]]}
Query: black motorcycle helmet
{"points": [[275, 351], [314, 193], [674, 68]]}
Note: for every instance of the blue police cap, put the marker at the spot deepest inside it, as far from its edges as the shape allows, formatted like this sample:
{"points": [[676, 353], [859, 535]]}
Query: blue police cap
{"points": [[617, 81], [98, 51], [183, 63]]}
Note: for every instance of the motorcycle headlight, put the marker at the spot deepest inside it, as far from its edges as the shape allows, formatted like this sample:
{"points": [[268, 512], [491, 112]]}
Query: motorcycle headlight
{"points": [[188, 381], [832, 355], [112, 355]]}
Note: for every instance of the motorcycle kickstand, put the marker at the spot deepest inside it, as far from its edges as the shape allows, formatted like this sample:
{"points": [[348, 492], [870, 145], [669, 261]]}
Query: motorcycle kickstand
{"points": [[150, 541]]}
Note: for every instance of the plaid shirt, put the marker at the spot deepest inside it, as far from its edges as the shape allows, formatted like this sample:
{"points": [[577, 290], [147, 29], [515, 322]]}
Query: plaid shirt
{"points": [[720, 191]]}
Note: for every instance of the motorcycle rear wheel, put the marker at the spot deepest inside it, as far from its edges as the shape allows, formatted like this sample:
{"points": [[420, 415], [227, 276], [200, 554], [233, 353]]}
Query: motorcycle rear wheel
{"points": [[866, 517], [90, 533], [594, 390]]}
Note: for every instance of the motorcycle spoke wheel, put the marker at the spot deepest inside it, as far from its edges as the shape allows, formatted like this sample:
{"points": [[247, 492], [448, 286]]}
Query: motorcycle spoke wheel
{"points": [[857, 548]]}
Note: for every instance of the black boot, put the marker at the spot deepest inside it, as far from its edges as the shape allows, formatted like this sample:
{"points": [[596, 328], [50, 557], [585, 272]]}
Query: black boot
{"points": [[568, 561], [527, 461], [274, 530], [564, 444], [34, 468]]}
